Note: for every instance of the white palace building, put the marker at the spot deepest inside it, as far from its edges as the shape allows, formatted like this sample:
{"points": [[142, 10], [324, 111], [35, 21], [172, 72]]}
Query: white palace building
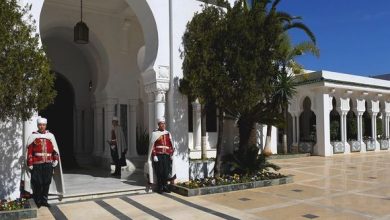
{"points": [[131, 68]]}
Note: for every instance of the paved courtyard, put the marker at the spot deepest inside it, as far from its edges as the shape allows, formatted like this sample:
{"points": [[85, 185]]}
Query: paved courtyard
{"points": [[355, 186]]}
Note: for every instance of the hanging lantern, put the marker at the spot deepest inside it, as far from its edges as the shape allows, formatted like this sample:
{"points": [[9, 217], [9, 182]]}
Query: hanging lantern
{"points": [[81, 30]]}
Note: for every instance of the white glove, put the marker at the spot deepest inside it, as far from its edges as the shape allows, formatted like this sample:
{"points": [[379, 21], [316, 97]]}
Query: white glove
{"points": [[112, 147], [155, 159], [30, 167], [55, 163]]}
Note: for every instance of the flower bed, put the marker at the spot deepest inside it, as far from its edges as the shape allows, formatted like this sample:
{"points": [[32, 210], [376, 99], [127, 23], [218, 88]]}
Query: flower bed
{"points": [[229, 183], [18, 209]]}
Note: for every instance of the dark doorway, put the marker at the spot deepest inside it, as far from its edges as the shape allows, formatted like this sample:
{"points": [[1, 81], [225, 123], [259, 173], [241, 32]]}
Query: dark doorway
{"points": [[60, 120]]}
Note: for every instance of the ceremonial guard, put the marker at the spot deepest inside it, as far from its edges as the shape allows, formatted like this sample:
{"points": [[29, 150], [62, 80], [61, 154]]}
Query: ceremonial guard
{"points": [[43, 159], [117, 144], [160, 164]]}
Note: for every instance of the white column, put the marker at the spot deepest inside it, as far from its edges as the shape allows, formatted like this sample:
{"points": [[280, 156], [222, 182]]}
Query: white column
{"points": [[151, 110], [374, 131], [324, 148], [160, 105], [196, 125], [373, 125], [347, 146], [359, 126], [132, 129], [387, 125], [342, 126], [360, 131]]}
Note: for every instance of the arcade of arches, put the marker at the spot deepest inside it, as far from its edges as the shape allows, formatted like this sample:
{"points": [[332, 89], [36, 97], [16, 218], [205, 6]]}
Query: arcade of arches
{"points": [[334, 118]]}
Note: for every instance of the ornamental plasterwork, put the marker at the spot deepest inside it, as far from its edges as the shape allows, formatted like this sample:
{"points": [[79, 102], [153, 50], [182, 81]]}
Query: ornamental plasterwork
{"points": [[163, 72], [360, 105], [156, 87], [387, 107], [373, 106], [343, 105]]}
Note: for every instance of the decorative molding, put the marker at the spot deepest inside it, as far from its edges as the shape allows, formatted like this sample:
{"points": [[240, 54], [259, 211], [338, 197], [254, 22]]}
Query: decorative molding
{"points": [[338, 147], [163, 72], [356, 146]]}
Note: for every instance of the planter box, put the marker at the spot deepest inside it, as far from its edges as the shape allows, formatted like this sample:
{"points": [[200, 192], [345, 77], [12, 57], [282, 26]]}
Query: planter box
{"points": [[305, 147], [288, 156], [338, 147], [370, 145], [228, 188], [21, 213], [355, 146], [384, 144]]}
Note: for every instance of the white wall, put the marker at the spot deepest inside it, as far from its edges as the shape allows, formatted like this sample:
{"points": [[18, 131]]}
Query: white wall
{"points": [[11, 159]]}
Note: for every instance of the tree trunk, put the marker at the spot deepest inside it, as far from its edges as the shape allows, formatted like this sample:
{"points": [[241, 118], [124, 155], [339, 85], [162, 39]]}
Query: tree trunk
{"points": [[218, 159], [203, 133], [245, 126], [267, 148], [285, 130]]}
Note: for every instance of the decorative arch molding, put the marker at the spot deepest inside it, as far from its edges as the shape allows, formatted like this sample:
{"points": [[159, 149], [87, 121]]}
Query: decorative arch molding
{"points": [[146, 14], [312, 103], [95, 53]]}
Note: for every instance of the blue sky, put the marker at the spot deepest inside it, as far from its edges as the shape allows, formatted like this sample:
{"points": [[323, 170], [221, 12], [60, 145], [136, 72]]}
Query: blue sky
{"points": [[353, 35]]}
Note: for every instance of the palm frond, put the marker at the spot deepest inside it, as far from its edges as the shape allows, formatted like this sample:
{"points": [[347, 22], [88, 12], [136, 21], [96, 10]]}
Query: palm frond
{"points": [[303, 27], [305, 47]]}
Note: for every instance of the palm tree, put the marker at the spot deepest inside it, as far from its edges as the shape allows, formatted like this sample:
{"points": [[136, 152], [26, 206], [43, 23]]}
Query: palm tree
{"points": [[284, 85], [287, 55]]}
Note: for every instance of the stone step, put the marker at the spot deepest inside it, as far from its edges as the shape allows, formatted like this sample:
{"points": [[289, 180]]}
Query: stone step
{"points": [[94, 195], [138, 162]]}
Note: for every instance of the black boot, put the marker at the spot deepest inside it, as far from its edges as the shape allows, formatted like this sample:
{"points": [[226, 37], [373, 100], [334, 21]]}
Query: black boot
{"points": [[166, 189]]}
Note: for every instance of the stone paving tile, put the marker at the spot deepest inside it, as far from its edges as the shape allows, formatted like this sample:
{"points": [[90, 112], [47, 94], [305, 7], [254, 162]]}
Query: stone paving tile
{"points": [[300, 175], [44, 214], [355, 186], [373, 206], [171, 208], [299, 211], [322, 171], [297, 191], [257, 199], [127, 209], [383, 192], [85, 210], [339, 184]]}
